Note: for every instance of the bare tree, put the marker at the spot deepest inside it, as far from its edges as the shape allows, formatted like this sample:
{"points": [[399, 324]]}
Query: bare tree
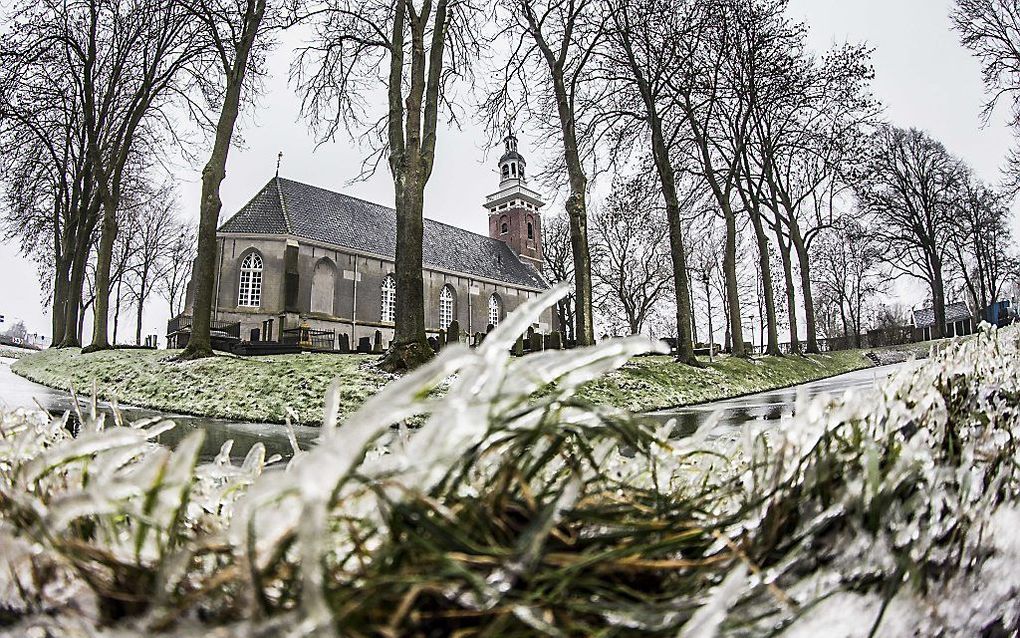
{"points": [[154, 238], [805, 132], [236, 35], [51, 200], [647, 44], [132, 60], [558, 265], [176, 274], [847, 261], [631, 265], [909, 187], [981, 247], [991, 30], [414, 49], [546, 76]]}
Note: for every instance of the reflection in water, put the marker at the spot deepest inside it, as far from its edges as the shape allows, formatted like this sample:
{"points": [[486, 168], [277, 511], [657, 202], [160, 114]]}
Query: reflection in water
{"points": [[768, 406]]}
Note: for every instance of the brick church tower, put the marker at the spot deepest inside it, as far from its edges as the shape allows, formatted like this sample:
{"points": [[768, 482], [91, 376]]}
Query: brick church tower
{"points": [[514, 215]]}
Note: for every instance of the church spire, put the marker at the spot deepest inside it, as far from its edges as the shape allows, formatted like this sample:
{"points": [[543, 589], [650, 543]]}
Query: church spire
{"points": [[511, 165], [514, 210]]}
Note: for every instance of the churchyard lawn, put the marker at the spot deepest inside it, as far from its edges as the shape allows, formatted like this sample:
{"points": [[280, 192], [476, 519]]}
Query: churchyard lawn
{"points": [[268, 389]]}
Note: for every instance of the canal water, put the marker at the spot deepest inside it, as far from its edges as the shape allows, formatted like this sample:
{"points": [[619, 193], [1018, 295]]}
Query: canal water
{"points": [[16, 392]]}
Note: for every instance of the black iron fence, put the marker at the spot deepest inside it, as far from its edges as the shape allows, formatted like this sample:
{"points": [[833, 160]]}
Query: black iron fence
{"points": [[309, 338], [182, 323], [880, 338]]}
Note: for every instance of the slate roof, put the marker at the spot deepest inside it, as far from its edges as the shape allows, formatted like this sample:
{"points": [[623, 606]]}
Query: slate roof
{"points": [[954, 312], [284, 206]]}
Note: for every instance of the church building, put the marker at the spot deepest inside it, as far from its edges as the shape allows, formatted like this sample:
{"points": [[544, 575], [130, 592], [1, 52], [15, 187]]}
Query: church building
{"points": [[299, 256]]}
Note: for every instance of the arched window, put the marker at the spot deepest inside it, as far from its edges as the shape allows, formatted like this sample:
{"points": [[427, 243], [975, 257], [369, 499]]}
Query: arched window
{"points": [[249, 291], [513, 169], [389, 299], [531, 230], [446, 297], [503, 228], [495, 309], [506, 171]]}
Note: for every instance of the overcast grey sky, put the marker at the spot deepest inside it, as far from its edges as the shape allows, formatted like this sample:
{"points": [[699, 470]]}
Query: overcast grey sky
{"points": [[924, 78]]}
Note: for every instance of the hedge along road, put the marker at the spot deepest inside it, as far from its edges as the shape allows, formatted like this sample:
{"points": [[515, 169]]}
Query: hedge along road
{"points": [[16, 392]]}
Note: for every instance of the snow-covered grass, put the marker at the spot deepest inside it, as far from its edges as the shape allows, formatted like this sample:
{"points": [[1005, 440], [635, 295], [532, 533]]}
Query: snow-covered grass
{"points": [[659, 382], [508, 515], [265, 389], [268, 389]]}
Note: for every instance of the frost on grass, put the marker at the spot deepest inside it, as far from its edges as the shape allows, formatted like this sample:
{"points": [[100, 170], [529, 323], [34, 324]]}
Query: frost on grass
{"points": [[516, 508]]}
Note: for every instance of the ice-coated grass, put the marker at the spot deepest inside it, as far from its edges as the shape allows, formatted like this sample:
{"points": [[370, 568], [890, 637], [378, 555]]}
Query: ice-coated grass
{"points": [[659, 382], [519, 509], [261, 389]]}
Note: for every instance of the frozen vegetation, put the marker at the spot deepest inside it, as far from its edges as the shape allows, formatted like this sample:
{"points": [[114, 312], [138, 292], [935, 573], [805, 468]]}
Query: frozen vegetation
{"points": [[504, 515], [263, 389], [270, 389]]}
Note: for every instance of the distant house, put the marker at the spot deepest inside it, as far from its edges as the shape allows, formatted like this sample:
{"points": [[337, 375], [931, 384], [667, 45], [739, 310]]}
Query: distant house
{"points": [[959, 321]]}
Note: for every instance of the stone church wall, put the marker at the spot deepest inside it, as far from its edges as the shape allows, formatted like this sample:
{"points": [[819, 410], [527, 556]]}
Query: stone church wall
{"points": [[318, 264]]}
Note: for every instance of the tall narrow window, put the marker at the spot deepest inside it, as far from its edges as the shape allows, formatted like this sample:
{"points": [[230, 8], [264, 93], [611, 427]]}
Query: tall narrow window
{"points": [[531, 230], [445, 307], [249, 291], [495, 310], [389, 299]]}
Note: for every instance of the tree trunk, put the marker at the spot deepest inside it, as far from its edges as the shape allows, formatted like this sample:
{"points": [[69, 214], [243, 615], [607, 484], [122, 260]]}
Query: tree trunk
{"points": [[60, 285], [938, 302], [805, 288], [116, 311], [141, 309], [765, 263], [104, 261], [213, 174], [667, 181], [409, 348], [791, 291], [72, 306], [732, 288]]}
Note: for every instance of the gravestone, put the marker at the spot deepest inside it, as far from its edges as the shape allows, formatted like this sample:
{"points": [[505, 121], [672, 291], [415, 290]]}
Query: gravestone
{"points": [[344, 344], [433, 343], [536, 342], [530, 338], [519, 347], [453, 332], [442, 338], [553, 341], [365, 345], [377, 347], [479, 337]]}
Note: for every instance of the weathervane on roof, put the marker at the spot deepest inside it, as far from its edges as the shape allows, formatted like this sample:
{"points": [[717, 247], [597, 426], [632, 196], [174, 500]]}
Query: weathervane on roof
{"points": [[279, 158]]}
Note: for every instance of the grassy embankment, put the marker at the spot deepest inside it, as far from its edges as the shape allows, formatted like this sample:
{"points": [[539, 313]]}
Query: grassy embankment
{"points": [[263, 388]]}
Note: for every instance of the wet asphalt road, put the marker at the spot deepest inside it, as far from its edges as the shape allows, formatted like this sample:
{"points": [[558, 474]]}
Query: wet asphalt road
{"points": [[775, 404]]}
